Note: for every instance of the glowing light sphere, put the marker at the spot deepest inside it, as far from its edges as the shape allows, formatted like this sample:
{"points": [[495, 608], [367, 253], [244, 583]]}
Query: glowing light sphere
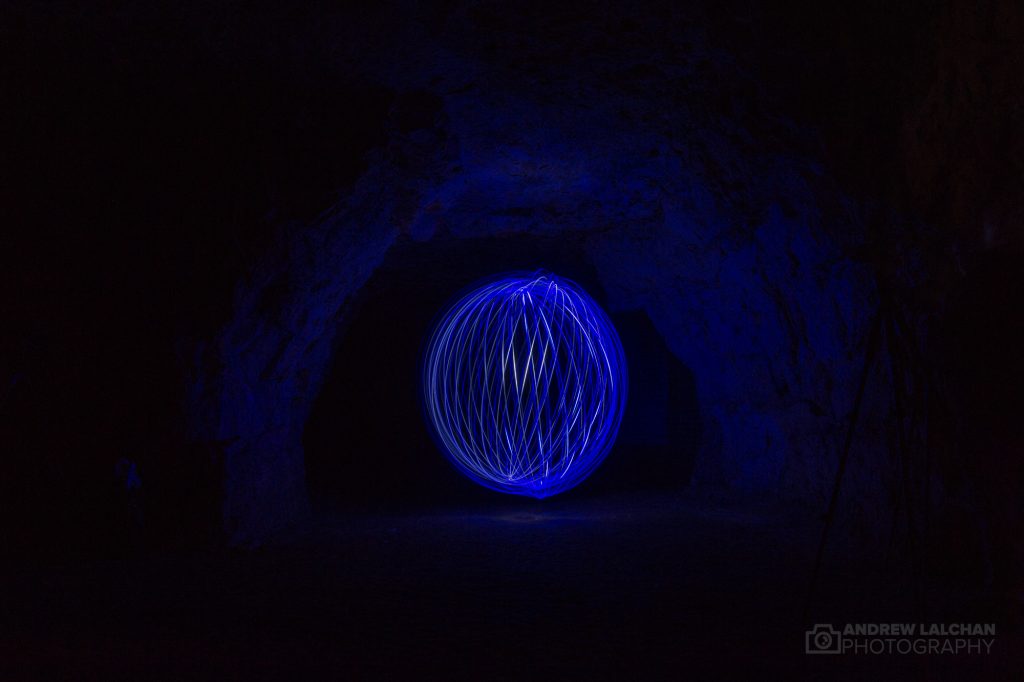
{"points": [[524, 384]]}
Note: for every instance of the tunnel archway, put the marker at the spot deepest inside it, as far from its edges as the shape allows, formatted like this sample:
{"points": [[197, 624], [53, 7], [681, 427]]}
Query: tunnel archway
{"points": [[738, 255], [366, 444]]}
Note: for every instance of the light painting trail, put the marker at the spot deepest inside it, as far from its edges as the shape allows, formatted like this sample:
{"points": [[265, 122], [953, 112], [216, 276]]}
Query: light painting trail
{"points": [[524, 384]]}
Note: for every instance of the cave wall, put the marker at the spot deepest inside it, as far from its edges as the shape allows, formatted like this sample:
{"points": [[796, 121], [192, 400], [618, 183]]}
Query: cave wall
{"points": [[692, 199]]}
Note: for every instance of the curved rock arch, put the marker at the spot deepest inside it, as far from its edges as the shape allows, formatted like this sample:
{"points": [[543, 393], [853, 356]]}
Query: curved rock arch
{"points": [[735, 254]]}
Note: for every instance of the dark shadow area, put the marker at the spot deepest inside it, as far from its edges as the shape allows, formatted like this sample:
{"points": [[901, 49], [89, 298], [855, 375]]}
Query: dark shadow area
{"points": [[660, 433], [366, 441], [629, 587], [981, 340], [144, 172]]}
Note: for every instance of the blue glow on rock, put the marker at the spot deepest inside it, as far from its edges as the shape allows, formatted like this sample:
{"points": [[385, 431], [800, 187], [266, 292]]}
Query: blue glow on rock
{"points": [[524, 384]]}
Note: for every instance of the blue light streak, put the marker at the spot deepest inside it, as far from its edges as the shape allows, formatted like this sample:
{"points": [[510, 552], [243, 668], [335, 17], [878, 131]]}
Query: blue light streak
{"points": [[524, 384]]}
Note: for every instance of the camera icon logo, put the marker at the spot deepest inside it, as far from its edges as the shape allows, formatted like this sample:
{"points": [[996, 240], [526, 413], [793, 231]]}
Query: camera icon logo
{"points": [[823, 639]]}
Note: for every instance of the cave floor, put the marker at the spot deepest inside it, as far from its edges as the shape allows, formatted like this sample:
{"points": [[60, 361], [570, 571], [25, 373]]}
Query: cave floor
{"points": [[632, 587]]}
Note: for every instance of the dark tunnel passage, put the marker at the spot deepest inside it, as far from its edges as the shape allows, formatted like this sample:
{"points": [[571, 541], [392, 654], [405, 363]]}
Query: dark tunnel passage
{"points": [[366, 442], [231, 226]]}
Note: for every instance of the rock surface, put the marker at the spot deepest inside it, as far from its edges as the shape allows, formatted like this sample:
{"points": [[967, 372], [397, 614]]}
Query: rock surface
{"points": [[658, 157]]}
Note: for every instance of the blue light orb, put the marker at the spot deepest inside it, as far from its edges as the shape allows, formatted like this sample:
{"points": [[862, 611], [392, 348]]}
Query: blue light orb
{"points": [[524, 384]]}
